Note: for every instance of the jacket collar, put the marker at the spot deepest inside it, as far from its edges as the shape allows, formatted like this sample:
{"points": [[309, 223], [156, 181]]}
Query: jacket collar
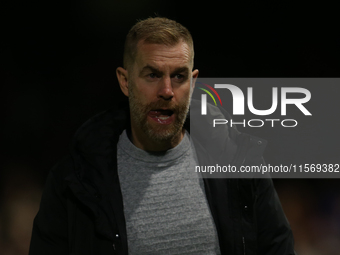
{"points": [[94, 180], [95, 142]]}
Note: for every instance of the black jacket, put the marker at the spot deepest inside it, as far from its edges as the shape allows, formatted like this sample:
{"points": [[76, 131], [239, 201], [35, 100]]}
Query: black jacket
{"points": [[81, 210]]}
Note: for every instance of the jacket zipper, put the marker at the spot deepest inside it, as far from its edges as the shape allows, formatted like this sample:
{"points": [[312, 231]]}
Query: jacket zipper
{"points": [[244, 246], [241, 156]]}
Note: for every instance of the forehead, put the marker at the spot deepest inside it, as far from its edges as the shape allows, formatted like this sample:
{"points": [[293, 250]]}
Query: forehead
{"points": [[161, 55]]}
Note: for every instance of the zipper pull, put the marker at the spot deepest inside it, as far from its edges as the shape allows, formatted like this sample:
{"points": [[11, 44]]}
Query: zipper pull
{"points": [[117, 236]]}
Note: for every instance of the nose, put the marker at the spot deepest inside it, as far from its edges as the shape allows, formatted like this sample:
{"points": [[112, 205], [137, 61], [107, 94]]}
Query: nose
{"points": [[165, 89]]}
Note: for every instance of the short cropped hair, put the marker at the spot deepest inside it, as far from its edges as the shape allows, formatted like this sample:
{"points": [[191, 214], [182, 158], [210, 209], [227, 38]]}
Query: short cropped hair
{"points": [[156, 30]]}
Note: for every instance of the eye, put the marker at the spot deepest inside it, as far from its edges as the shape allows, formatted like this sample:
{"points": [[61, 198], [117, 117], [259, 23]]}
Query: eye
{"points": [[153, 75], [180, 77]]}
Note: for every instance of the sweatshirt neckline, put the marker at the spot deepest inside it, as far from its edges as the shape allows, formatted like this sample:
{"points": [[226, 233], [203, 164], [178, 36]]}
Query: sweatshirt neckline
{"points": [[129, 148]]}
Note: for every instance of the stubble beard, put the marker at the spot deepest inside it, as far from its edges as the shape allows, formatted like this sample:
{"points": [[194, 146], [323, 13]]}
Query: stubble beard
{"points": [[157, 132]]}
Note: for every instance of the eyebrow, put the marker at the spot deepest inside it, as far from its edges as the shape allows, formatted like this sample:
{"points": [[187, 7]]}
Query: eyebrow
{"points": [[150, 68], [157, 71]]}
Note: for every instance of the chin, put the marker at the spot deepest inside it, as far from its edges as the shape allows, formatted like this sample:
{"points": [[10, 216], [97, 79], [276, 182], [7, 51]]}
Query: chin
{"points": [[163, 134]]}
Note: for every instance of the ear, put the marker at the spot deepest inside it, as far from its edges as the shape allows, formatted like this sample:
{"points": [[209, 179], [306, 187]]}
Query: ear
{"points": [[122, 76], [194, 78]]}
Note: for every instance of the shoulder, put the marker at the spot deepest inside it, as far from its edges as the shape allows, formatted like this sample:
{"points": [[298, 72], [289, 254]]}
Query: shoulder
{"points": [[59, 172], [223, 142]]}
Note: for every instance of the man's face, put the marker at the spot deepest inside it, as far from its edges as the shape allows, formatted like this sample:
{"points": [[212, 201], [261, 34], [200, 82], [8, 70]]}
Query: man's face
{"points": [[159, 90]]}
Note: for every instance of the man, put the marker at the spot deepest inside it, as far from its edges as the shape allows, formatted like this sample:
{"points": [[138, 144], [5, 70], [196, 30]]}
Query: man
{"points": [[127, 187]]}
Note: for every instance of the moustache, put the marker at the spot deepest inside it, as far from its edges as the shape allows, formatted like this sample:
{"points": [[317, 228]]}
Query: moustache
{"points": [[164, 105]]}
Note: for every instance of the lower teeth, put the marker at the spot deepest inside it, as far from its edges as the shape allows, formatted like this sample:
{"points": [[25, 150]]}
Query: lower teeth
{"points": [[164, 118]]}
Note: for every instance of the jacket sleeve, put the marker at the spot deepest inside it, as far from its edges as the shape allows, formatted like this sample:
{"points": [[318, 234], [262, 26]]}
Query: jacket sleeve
{"points": [[50, 230], [274, 232]]}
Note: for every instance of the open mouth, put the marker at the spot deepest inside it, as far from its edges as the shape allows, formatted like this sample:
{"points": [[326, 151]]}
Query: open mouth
{"points": [[162, 116]]}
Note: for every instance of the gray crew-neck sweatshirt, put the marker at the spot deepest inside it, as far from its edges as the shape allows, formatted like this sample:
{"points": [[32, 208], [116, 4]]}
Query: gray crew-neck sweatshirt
{"points": [[165, 206]]}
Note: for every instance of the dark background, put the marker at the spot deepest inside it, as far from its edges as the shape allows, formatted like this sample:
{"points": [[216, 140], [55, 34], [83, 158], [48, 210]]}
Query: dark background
{"points": [[58, 62]]}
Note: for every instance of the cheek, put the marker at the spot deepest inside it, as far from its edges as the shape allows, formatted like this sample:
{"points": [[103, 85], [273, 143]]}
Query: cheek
{"points": [[144, 96], [145, 93], [183, 93]]}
